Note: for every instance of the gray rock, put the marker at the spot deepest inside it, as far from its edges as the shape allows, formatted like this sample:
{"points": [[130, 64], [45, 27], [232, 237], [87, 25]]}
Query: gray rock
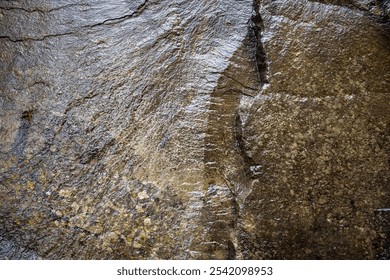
{"points": [[11, 250], [161, 129]]}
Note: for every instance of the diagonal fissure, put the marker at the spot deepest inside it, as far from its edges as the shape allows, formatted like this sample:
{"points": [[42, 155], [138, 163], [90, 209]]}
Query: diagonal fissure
{"points": [[110, 21]]}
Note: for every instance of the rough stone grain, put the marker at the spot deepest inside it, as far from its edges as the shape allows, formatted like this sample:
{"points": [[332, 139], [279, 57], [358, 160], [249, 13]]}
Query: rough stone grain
{"points": [[201, 129]]}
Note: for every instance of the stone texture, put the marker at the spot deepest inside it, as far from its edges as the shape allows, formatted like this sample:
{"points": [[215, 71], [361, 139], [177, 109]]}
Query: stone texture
{"points": [[319, 133], [203, 129]]}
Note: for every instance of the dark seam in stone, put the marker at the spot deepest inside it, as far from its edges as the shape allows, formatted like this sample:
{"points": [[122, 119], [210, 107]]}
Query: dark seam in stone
{"points": [[39, 10], [136, 13], [241, 84], [37, 39], [257, 26]]}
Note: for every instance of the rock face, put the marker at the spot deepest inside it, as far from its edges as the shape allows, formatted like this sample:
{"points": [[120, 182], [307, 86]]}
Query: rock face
{"points": [[207, 129]]}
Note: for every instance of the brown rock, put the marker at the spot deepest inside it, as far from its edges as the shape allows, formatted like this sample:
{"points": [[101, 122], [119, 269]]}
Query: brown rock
{"points": [[194, 129]]}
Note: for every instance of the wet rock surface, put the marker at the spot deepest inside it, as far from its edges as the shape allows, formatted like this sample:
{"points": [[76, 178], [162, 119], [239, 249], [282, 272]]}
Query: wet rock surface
{"points": [[204, 129]]}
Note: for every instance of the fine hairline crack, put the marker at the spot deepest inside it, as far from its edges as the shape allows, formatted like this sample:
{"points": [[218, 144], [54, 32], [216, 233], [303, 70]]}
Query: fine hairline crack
{"points": [[110, 21], [36, 10]]}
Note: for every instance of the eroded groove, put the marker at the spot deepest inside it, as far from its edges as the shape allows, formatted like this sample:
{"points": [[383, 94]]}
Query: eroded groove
{"points": [[261, 56], [227, 166]]}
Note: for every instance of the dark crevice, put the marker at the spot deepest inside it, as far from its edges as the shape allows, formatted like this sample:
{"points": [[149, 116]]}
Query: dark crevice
{"points": [[110, 21], [228, 167], [257, 26], [36, 39], [231, 251], [136, 13], [41, 10], [27, 116]]}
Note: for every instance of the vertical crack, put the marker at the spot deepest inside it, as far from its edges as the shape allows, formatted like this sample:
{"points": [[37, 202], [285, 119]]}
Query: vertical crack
{"points": [[229, 169], [257, 26]]}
